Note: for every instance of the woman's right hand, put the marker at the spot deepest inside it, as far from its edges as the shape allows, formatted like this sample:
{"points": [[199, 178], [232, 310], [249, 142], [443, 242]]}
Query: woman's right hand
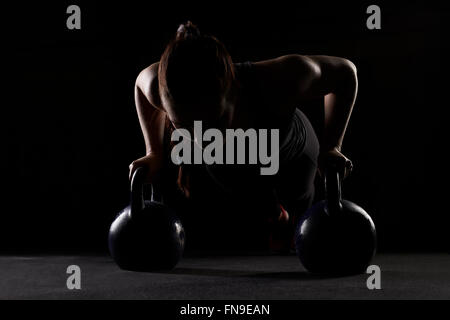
{"points": [[153, 163]]}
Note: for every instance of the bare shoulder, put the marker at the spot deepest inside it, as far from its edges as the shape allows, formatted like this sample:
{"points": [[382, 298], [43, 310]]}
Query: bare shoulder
{"points": [[147, 82], [288, 76], [304, 67], [289, 60], [289, 67]]}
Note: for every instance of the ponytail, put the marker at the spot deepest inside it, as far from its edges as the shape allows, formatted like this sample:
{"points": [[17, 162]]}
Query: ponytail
{"points": [[187, 30]]}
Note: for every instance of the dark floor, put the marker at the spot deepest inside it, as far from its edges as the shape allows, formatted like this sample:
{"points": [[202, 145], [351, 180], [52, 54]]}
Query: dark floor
{"points": [[403, 276]]}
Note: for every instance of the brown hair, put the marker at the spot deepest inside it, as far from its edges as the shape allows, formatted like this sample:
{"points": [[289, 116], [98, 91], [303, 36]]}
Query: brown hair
{"points": [[194, 66], [192, 62]]}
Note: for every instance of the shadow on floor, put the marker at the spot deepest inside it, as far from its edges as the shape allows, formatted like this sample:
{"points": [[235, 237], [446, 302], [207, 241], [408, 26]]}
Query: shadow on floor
{"points": [[293, 275]]}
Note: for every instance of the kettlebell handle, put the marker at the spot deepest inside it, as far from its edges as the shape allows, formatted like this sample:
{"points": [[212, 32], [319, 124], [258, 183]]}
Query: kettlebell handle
{"points": [[333, 189], [137, 190], [137, 201]]}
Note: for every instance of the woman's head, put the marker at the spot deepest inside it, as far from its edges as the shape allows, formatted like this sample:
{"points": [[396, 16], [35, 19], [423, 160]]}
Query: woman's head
{"points": [[195, 76]]}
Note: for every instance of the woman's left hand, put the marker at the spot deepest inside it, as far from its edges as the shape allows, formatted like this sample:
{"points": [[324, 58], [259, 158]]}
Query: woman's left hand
{"points": [[334, 158]]}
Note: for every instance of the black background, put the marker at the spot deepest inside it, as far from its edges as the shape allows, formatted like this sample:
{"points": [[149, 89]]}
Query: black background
{"points": [[71, 130]]}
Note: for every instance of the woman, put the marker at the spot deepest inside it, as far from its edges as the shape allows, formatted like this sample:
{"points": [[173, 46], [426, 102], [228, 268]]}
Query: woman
{"points": [[196, 79]]}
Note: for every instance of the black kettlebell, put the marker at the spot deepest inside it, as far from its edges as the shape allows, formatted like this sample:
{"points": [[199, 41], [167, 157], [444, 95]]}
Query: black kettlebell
{"points": [[335, 236], [146, 235]]}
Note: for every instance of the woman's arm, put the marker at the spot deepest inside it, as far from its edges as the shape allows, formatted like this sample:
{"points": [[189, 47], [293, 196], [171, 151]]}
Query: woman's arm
{"points": [[337, 81], [152, 120], [297, 78]]}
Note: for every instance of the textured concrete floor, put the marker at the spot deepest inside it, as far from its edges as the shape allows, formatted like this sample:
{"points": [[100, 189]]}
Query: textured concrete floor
{"points": [[403, 276]]}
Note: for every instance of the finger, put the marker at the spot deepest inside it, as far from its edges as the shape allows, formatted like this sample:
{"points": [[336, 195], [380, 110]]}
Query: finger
{"points": [[348, 168], [348, 162], [349, 165]]}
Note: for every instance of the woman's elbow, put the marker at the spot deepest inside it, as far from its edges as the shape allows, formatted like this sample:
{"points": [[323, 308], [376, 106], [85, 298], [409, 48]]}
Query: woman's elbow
{"points": [[350, 70]]}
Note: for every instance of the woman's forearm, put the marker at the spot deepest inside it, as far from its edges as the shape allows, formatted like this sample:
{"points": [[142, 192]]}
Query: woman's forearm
{"points": [[338, 108]]}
